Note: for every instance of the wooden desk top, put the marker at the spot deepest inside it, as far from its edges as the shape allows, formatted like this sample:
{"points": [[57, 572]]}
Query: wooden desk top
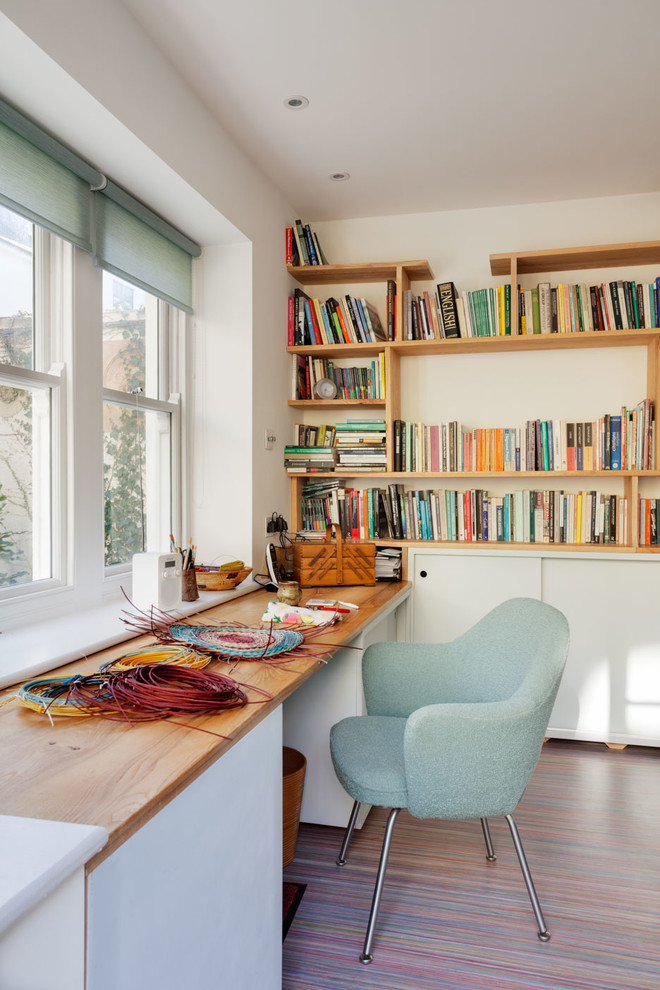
{"points": [[99, 772]]}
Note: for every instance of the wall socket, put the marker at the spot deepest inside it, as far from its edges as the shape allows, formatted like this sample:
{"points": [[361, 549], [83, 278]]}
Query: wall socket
{"points": [[274, 524]]}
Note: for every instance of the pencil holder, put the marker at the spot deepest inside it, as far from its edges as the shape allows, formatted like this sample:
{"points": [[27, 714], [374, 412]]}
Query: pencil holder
{"points": [[189, 592]]}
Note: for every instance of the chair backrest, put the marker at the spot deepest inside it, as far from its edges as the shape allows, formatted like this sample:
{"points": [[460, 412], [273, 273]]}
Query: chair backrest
{"points": [[520, 642], [477, 707]]}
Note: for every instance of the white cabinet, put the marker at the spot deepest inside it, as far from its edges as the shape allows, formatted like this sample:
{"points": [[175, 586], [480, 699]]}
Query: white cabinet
{"points": [[194, 897], [453, 589], [333, 693], [610, 691]]}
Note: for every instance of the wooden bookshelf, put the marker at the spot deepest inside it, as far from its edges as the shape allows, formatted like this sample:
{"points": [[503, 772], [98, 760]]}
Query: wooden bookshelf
{"points": [[513, 264], [576, 259]]}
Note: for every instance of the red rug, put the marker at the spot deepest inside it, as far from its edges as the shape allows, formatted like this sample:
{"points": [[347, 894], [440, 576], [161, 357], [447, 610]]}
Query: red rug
{"points": [[291, 897]]}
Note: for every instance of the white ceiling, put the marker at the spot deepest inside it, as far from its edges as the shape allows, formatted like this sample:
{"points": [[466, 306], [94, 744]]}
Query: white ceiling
{"points": [[428, 104]]}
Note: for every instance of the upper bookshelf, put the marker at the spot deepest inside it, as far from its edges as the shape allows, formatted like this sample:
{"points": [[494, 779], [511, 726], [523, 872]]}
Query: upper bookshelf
{"points": [[576, 258], [377, 271]]}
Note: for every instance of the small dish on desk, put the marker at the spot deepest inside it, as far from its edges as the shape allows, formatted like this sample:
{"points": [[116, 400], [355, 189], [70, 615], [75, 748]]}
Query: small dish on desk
{"points": [[215, 579]]}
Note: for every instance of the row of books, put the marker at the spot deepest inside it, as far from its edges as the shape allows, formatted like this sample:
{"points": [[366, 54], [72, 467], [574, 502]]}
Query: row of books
{"points": [[305, 435], [443, 314], [649, 510], [347, 320], [576, 308], [302, 245], [362, 382], [564, 308], [523, 516], [614, 442]]}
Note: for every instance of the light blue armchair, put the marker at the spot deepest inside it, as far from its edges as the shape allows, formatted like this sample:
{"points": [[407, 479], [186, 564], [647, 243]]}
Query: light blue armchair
{"points": [[454, 730]]}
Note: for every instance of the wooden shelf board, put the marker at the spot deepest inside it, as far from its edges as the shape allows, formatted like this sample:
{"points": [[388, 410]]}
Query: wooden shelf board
{"points": [[527, 342], [504, 545], [403, 476], [578, 258], [326, 403], [339, 350], [379, 271], [487, 345]]}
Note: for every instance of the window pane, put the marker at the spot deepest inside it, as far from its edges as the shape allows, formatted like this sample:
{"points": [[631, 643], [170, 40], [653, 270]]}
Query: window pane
{"points": [[130, 337], [25, 485], [137, 488], [16, 295]]}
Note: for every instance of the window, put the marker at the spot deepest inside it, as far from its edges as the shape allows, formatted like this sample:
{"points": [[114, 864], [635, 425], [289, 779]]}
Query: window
{"points": [[139, 423], [29, 411], [93, 290]]}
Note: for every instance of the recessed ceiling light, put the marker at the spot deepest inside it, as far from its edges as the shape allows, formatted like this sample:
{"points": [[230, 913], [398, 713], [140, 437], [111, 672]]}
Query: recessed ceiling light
{"points": [[339, 176], [296, 102]]}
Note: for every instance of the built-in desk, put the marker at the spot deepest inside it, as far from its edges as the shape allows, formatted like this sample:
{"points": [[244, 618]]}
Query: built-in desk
{"points": [[187, 889]]}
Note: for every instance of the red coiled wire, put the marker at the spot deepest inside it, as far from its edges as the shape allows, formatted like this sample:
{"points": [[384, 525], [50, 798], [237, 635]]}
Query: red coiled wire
{"points": [[156, 692]]}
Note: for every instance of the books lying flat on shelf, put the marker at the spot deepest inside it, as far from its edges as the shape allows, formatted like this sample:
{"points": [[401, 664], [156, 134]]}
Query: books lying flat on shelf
{"points": [[388, 563], [307, 459]]}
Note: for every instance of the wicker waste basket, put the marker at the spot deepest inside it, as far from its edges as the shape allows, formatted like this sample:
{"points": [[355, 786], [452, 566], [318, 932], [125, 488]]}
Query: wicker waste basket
{"points": [[294, 765]]}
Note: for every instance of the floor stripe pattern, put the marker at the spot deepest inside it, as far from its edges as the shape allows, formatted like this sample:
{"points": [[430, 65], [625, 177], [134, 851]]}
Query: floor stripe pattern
{"points": [[449, 920]]}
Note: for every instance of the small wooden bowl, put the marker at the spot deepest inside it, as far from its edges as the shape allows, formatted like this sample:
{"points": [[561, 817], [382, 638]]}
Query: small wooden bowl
{"points": [[213, 579]]}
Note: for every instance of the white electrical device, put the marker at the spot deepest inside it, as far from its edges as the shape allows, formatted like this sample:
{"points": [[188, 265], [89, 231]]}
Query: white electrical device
{"points": [[156, 580]]}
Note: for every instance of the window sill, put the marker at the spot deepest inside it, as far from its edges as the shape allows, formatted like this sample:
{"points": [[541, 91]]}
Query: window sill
{"points": [[28, 652]]}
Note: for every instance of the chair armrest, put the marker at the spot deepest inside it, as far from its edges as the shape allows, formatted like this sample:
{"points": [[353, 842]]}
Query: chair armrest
{"points": [[399, 678], [472, 760]]}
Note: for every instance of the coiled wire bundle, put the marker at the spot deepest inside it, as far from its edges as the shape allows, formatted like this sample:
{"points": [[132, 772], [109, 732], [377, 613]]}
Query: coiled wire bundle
{"points": [[137, 694], [175, 656]]}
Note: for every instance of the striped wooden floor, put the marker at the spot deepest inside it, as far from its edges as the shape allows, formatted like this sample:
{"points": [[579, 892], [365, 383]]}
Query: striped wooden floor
{"points": [[590, 824]]}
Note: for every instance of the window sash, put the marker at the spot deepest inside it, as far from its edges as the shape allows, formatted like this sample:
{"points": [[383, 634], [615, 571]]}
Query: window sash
{"points": [[45, 457]]}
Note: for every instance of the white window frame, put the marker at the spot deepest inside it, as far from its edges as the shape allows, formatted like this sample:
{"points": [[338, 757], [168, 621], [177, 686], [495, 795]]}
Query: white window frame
{"points": [[68, 302]]}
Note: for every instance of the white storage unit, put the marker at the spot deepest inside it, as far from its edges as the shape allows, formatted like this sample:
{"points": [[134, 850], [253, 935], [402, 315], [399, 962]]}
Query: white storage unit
{"points": [[610, 691]]}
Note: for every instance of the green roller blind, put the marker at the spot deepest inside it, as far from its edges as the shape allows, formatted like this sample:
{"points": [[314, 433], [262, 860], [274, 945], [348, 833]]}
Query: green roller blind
{"points": [[135, 243], [43, 180], [48, 183]]}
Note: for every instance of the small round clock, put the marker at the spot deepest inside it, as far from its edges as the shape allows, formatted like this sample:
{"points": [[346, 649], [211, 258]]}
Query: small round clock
{"points": [[325, 389]]}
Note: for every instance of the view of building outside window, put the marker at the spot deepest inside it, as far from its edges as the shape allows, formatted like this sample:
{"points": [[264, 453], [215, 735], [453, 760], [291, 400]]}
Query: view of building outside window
{"points": [[137, 445], [22, 410], [137, 417]]}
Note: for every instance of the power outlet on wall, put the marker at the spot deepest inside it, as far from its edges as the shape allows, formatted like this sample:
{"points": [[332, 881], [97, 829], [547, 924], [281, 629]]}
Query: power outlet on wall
{"points": [[275, 523]]}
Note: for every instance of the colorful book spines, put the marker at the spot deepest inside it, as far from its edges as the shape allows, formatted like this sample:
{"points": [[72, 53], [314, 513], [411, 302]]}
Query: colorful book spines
{"points": [[622, 441], [302, 245], [477, 515]]}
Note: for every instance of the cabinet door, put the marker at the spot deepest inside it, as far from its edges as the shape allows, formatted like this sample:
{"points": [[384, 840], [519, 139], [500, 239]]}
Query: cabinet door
{"points": [[453, 590], [610, 690]]}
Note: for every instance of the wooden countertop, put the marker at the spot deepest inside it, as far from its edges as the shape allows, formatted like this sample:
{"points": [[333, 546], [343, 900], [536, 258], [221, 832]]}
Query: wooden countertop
{"points": [[93, 771]]}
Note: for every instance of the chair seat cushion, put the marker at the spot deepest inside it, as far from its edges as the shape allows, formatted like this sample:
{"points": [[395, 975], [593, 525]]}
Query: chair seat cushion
{"points": [[367, 752]]}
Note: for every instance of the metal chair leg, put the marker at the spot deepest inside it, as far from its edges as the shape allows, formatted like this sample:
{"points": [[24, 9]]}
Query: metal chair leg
{"points": [[543, 932], [366, 955], [490, 852], [341, 861]]}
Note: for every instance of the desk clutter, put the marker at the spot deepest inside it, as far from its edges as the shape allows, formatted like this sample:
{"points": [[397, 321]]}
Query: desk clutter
{"points": [[168, 679]]}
